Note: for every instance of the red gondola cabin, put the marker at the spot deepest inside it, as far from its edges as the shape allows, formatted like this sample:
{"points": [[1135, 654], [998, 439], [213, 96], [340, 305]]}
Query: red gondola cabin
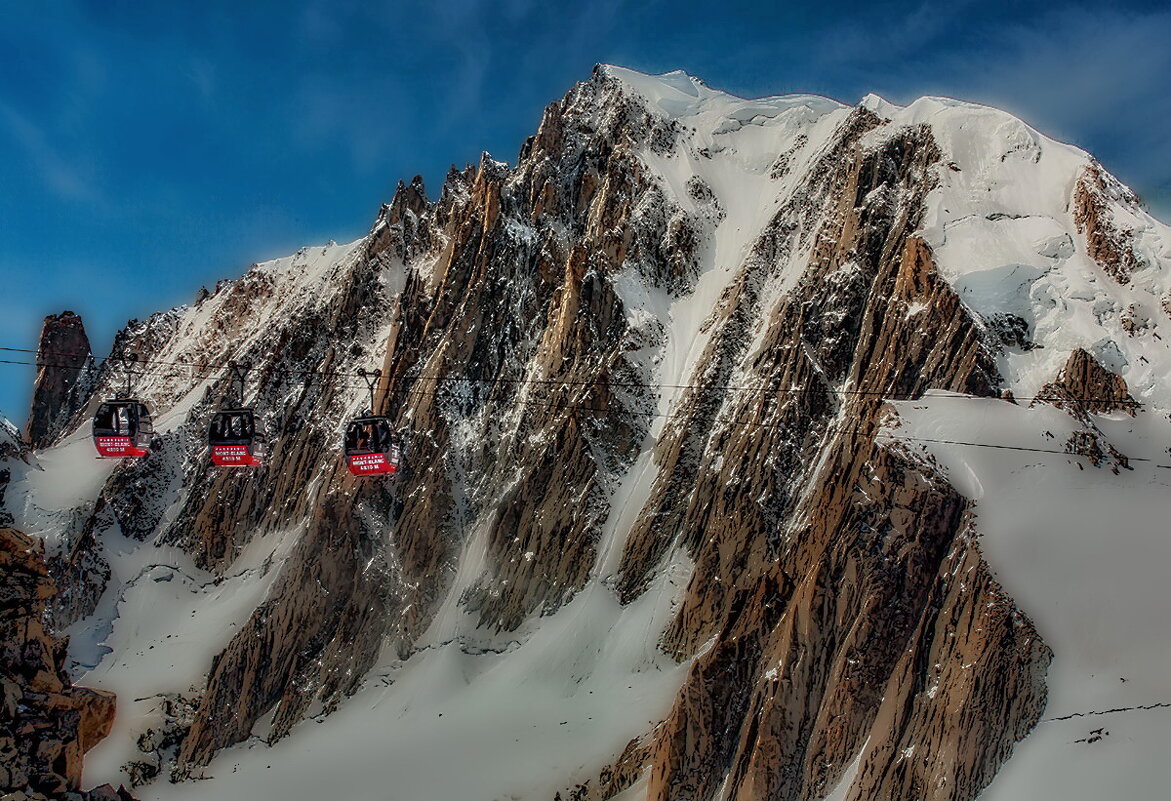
{"points": [[371, 447], [233, 439], [122, 429]]}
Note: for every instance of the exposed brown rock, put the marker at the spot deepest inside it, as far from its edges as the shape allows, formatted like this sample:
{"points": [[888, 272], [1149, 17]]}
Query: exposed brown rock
{"points": [[491, 297], [1084, 387], [61, 355], [408, 199], [969, 687], [813, 586], [97, 715], [1109, 245], [46, 724]]}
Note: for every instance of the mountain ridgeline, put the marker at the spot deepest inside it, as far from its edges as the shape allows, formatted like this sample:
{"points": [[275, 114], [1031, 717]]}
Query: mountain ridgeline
{"points": [[652, 361]]}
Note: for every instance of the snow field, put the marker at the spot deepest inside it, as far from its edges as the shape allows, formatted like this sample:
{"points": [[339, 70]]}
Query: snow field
{"points": [[449, 724], [1084, 554]]}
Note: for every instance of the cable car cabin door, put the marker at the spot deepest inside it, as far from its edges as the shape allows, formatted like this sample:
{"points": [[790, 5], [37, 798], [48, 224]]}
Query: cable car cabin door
{"points": [[370, 448], [232, 439], [122, 429]]}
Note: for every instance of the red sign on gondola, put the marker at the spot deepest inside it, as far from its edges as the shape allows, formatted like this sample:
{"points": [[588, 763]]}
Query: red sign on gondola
{"points": [[233, 456], [372, 464], [118, 448]]}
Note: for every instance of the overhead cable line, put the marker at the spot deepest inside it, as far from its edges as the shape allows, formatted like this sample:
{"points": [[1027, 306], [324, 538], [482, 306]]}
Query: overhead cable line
{"points": [[557, 406], [556, 382]]}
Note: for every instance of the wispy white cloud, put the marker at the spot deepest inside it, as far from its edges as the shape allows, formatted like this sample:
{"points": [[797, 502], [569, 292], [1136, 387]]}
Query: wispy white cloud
{"points": [[321, 24], [203, 74], [68, 181]]}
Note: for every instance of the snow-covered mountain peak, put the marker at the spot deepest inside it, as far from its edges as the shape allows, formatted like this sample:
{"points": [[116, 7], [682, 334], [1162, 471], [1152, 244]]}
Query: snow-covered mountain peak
{"points": [[645, 535], [879, 105], [1003, 218], [678, 95], [1013, 221], [675, 83]]}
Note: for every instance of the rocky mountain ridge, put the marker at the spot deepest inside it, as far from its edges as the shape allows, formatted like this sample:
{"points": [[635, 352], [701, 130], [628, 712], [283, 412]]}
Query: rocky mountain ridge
{"points": [[645, 379], [46, 723]]}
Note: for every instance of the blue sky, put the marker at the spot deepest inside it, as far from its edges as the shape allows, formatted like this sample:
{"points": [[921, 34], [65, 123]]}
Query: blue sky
{"points": [[148, 149]]}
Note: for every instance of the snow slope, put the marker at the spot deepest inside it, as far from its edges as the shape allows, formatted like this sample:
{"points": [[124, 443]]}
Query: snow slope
{"points": [[1084, 552], [521, 716], [456, 721]]}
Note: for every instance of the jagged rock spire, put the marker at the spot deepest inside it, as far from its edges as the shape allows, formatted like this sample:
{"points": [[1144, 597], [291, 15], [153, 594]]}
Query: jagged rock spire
{"points": [[407, 197], [61, 358]]}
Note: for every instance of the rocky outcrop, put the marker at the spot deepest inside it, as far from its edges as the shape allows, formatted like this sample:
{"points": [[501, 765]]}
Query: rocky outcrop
{"points": [[505, 302], [1109, 244], [5, 477], [12, 446], [79, 569], [315, 637], [1084, 387], [854, 646], [62, 357], [46, 724]]}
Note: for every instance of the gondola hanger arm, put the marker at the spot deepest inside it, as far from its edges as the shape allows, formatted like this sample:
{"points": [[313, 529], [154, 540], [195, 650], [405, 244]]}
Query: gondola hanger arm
{"points": [[371, 378]]}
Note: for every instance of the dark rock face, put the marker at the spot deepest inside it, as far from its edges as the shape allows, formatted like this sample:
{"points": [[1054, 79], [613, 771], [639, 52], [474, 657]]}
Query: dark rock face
{"points": [[62, 355], [1084, 386], [46, 724], [823, 610], [1108, 244], [79, 569], [5, 477], [12, 447], [506, 294]]}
